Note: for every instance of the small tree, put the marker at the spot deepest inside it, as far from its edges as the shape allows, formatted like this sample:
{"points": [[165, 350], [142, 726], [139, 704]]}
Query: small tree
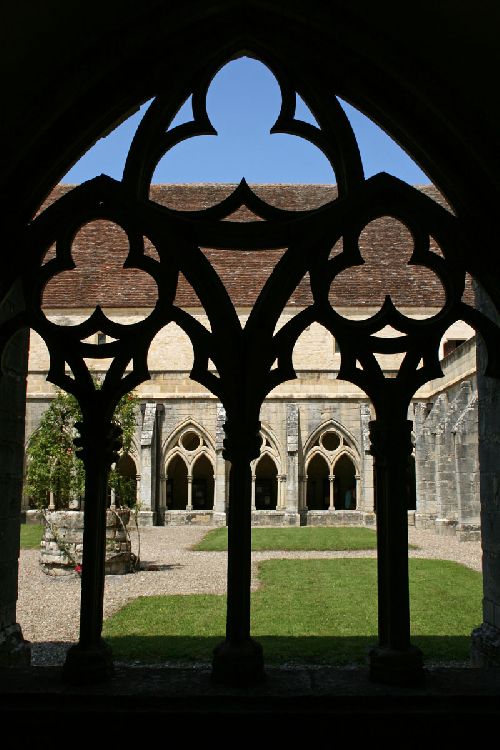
{"points": [[53, 465]]}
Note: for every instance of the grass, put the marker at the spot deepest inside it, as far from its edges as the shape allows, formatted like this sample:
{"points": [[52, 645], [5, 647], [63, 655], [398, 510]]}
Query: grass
{"points": [[296, 538], [31, 536], [307, 611]]}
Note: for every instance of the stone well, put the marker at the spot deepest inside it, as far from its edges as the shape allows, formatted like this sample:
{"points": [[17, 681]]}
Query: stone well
{"points": [[62, 543]]}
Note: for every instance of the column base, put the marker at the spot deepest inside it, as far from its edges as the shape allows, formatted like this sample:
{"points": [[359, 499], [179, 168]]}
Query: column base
{"points": [[219, 518], [485, 647], [238, 664], [14, 650], [393, 667], [146, 518], [88, 666]]}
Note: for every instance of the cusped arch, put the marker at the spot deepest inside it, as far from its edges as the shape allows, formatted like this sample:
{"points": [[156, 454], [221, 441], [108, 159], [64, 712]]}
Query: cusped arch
{"points": [[323, 428], [173, 439], [199, 454], [135, 450], [350, 454], [316, 451], [271, 447], [175, 453]]}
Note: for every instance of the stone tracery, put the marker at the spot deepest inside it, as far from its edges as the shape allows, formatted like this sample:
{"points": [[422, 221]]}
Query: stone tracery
{"points": [[244, 358]]}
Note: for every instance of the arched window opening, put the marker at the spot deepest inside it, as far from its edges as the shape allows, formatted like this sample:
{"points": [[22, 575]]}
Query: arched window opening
{"points": [[203, 484], [266, 484], [318, 492], [345, 484], [177, 490], [126, 485]]}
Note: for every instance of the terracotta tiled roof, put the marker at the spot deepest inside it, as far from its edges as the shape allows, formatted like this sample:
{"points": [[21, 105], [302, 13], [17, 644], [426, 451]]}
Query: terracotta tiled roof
{"points": [[100, 248]]}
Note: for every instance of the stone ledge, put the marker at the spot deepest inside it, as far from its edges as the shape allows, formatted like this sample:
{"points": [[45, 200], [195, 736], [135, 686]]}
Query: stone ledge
{"points": [[485, 647], [14, 650]]}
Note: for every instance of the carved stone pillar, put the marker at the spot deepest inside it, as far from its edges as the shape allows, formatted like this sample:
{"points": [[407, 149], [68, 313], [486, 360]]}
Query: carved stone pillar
{"points": [[281, 499], [486, 638], [163, 492], [219, 514], [331, 488], [90, 659], [303, 493], [14, 650], [293, 488], [395, 660], [189, 506], [357, 477], [253, 491], [239, 659]]}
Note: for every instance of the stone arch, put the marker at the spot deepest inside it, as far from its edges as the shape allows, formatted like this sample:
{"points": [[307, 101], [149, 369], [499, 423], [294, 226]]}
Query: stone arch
{"points": [[202, 474], [173, 441], [266, 482], [177, 481], [334, 426], [270, 445], [189, 443], [126, 468], [434, 133], [344, 471], [317, 481], [331, 445]]}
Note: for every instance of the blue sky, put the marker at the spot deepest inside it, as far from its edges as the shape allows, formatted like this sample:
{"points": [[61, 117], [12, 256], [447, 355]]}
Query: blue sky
{"points": [[243, 103]]}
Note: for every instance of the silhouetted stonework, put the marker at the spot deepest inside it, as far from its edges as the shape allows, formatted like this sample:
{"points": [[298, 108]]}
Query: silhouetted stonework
{"points": [[297, 415]]}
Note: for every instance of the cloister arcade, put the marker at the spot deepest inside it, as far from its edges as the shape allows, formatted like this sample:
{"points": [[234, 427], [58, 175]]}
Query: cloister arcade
{"points": [[189, 469], [434, 98]]}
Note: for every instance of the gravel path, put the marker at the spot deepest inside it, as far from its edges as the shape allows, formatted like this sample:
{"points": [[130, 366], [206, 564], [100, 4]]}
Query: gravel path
{"points": [[48, 607]]}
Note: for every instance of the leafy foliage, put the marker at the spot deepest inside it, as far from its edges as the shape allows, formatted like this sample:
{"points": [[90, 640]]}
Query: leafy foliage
{"points": [[53, 465]]}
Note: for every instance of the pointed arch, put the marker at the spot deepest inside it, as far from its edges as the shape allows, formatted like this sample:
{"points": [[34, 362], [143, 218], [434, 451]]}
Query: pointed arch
{"points": [[266, 482], [270, 446], [335, 426], [182, 427], [202, 472]]}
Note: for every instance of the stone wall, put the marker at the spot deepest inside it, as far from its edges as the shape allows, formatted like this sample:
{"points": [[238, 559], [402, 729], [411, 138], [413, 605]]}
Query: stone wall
{"points": [[62, 544], [447, 463], [13, 649], [486, 639]]}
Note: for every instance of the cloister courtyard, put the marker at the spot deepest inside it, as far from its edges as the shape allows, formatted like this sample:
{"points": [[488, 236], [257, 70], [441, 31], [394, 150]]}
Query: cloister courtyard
{"points": [[48, 607]]}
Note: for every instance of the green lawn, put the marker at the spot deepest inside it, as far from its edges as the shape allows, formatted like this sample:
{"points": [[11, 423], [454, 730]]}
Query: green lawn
{"points": [[31, 536], [316, 611], [296, 538]]}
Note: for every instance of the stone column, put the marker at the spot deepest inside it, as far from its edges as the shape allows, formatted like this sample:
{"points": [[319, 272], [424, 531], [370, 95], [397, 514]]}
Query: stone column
{"points": [[219, 513], [90, 659], [366, 497], [282, 491], [331, 480], [239, 660], [303, 493], [146, 516], [189, 506], [14, 650], [163, 496], [113, 498], [358, 489], [292, 501], [395, 661], [253, 491], [52, 503], [486, 638]]}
